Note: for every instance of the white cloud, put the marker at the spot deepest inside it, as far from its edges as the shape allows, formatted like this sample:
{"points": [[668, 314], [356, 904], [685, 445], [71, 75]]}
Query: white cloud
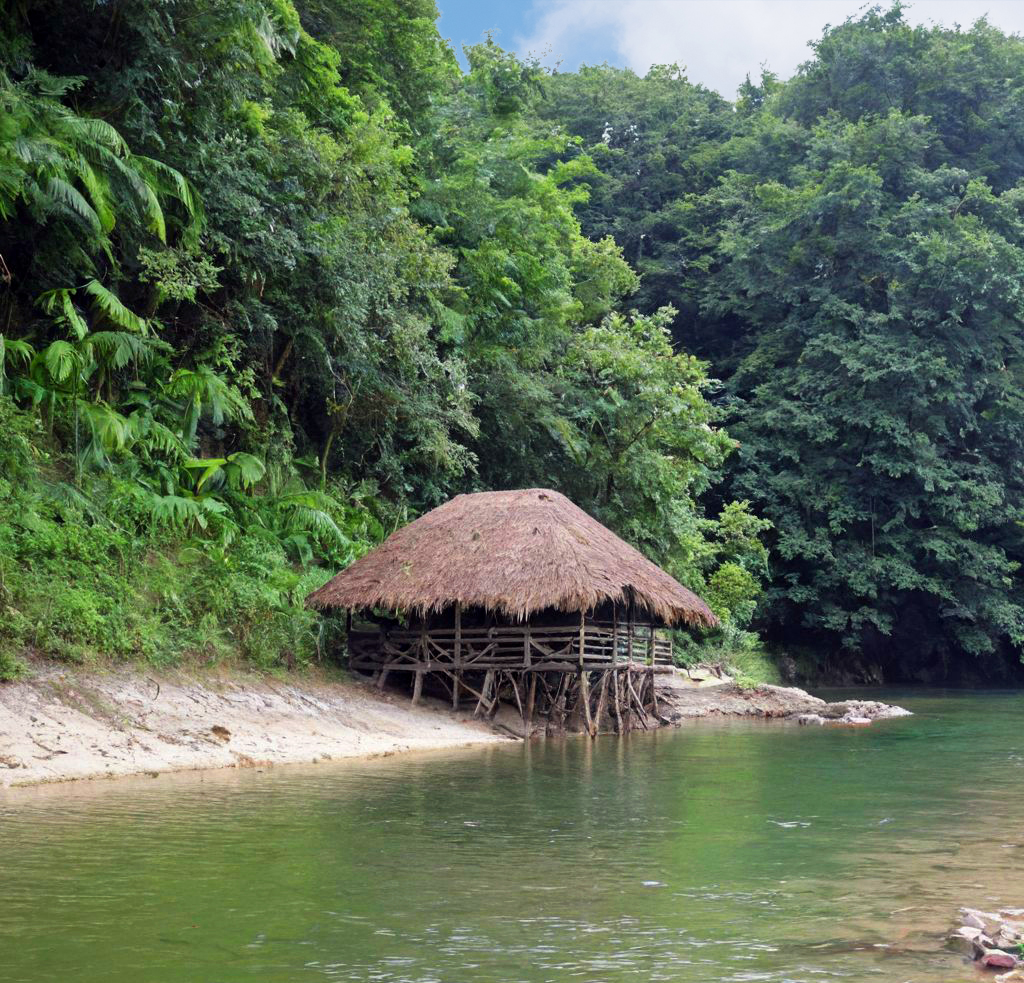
{"points": [[720, 41]]}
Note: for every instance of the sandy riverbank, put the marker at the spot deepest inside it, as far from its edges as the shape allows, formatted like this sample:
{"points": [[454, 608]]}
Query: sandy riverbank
{"points": [[68, 724]]}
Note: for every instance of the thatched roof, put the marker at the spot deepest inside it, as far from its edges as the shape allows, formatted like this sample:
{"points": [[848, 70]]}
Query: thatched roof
{"points": [[514, 552]]}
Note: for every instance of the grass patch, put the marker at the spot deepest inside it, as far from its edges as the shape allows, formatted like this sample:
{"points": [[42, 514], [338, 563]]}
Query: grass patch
{"points": [[738, 653]]}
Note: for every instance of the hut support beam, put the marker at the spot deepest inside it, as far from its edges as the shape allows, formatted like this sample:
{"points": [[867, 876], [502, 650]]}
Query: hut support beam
{"points": [[577, 675], [484, 703], [457, 674]]}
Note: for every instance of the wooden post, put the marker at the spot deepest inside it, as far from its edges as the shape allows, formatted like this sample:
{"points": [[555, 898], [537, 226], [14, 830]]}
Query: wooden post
{"points": [[531, 699], [650, 645], [630, 630], [617, 701], [602, 700], [417, 687], [458, 656], [484, 703], [585, 678], [527, 659], [615, 633], [585, 697]]}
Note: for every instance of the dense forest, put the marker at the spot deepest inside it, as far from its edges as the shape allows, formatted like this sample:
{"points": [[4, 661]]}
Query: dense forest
{"points": [[278, 275]]}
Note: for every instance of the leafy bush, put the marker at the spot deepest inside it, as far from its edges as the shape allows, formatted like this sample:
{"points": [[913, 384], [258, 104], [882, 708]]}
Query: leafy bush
{"points": [[11, 667], [86, 575]]}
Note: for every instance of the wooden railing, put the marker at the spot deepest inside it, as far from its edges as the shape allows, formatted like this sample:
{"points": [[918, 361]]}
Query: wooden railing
{"points": [[591, 645]]}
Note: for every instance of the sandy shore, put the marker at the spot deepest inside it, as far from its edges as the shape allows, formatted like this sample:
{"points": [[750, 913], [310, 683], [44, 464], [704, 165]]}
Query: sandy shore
{"points": [[64, 725], [67, 724]]}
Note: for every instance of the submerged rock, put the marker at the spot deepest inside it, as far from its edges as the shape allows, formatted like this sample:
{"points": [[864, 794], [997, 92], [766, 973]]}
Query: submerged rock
{"points": [[997, 959], [971, 942], [806, 719], [991, 940]]}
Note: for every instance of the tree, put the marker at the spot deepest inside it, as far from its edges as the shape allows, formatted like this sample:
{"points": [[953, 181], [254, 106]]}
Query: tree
{"points": [[879, 409]]}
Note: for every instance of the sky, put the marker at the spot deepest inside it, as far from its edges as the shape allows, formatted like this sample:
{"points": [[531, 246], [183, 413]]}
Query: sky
{"points": [[719, 41]]}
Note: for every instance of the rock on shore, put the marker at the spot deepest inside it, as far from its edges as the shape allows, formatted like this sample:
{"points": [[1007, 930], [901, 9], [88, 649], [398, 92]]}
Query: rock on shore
{"points": [[685, 701], [993, 940]]}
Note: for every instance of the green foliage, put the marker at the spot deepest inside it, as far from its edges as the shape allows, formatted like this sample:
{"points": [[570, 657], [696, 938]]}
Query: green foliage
{"points": [[105, 572], [846, 251], [259, 321]]}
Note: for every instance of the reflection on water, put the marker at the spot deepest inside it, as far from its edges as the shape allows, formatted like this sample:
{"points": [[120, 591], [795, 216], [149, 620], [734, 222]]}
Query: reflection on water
{"points": [[732, 852]]}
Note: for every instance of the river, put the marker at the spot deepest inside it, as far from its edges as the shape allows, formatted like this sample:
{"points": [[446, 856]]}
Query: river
{"points": [[724, 851]]}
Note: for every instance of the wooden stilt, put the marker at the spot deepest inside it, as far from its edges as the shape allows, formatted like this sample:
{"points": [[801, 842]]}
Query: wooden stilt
{"points": [[617, 700], [630, 628], [512, 678], [484, 703], [641, 715], [382, 678], [549, 705], [417, 687], [495, 697], [458, 656], [531, 698], [602, 701], [458, 634], [585, 699], [583, 637], [654, 696]]}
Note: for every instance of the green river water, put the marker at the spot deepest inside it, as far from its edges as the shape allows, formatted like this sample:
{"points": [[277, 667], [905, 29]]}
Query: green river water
{"points": [[718, 852]]}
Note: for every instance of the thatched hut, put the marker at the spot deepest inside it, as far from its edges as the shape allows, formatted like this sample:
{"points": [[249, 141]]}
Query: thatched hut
{"points": [[499, 588]]}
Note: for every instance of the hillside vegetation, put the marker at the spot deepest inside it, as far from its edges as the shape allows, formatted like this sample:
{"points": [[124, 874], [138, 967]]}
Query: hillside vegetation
{"points": [[277, 275]]}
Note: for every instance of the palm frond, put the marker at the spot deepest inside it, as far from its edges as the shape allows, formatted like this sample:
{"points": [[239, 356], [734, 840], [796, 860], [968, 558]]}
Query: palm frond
{"points": [[67, 198], [119, 348], [245, 469], [60, 360], [87, 131], [58, 303], [110, 305], [144, 192], [98, 187]]}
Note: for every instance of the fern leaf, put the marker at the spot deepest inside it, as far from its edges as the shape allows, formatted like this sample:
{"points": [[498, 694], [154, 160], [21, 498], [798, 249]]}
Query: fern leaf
{"points": [[14, 349], [87, 131], [110, 305], [118, 348], [69, 199], [99, 193]]}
